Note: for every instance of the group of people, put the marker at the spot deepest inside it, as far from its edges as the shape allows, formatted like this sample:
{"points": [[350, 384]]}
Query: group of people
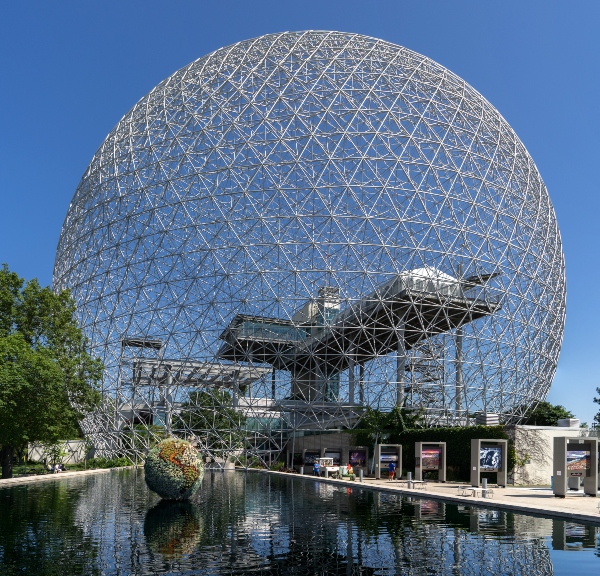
{"points": [[55, 468], [317, 468], [350, 470]]}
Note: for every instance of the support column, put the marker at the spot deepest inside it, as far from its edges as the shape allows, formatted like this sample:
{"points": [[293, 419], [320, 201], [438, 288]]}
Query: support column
{"points": [[235, 390], [361, 385], [351, 380], [168, 401], [459, 372], [400, 366], [273, 384]]}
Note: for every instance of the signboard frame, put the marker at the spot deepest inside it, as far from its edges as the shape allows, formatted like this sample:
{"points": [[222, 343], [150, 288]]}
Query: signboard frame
{"points": [[387, 449], [501, 473], [562, 472], [419, 470]]}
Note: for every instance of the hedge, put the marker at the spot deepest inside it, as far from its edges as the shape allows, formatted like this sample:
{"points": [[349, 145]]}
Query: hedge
{"points": [[458, 445]]}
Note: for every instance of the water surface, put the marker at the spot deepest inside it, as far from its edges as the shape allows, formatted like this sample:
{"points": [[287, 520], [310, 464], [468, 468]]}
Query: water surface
{"points": [[252, 523]]}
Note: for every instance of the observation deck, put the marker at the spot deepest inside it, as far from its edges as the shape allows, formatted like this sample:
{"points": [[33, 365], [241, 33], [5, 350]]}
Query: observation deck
{"points": [[400, 313]]}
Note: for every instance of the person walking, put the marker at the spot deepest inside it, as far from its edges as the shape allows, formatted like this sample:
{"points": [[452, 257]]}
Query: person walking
{"points": [[392, 471], [316, 468]]}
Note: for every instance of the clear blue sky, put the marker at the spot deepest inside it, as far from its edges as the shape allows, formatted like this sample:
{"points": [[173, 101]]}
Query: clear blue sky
{"points": [[71, 69]]}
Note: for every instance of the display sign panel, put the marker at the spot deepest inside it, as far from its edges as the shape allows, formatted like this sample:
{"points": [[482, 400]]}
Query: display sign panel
{"points": [[430, 458], [335, 456], [311, 457], [387, 457], [578, 461], [490, 458], [358, 458]]}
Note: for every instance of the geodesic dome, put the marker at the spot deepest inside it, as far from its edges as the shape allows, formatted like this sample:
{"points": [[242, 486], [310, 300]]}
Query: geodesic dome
{"points": [[301, 225]]}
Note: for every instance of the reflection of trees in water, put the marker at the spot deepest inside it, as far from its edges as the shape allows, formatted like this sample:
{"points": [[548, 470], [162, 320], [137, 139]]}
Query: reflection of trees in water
{"points": [[306, 527], [254, 522], [450, 541], [39, 533]]}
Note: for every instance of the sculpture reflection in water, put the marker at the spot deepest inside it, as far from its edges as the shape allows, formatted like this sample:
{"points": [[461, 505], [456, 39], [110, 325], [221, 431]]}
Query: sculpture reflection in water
{"points": [[173, 528]]}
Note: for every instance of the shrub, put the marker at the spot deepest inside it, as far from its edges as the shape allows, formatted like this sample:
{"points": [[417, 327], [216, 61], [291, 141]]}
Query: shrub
{"points": [[108, 462], [458, 445]]}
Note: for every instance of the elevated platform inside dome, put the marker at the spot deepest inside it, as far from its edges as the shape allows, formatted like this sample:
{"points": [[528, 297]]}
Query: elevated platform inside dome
{"points": [[365, 330], [171, 372]]}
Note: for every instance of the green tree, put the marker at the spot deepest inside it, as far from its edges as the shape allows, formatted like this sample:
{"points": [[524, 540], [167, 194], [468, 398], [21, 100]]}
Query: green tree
{"points": [[378, 426], [214, 421], [546, 414], [48, 381], [597, 401]]}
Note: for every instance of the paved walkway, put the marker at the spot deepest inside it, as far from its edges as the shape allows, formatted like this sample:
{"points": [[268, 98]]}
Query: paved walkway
{"points": [[59, 476], [530, 500]]}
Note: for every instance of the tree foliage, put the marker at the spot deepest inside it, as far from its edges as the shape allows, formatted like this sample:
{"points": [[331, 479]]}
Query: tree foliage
{"points": [[546, 414], [47, 378], [377, 426], [212, 418], [597, 401]]}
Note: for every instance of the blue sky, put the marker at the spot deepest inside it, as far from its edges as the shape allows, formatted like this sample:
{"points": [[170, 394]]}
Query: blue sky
{"points": [[70, 70]]}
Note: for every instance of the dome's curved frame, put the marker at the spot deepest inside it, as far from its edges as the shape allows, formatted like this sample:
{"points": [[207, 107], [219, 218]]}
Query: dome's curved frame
{"points": [[303, 224]]}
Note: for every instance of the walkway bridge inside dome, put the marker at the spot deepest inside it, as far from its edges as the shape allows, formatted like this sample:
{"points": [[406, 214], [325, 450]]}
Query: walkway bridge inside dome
{"points": [[320, 341]]}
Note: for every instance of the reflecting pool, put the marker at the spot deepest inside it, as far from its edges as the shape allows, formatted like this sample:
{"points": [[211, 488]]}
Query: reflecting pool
{"points": [[252, 523]]}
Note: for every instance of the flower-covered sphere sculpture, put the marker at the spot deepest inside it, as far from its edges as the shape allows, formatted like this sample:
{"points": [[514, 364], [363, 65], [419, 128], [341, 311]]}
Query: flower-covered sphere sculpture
{"points": [[173, 469], [301, 225]]}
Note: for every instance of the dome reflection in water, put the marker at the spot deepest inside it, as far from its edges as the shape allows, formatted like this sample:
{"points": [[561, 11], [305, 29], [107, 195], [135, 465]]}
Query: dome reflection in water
{"points": [[253, 523]]}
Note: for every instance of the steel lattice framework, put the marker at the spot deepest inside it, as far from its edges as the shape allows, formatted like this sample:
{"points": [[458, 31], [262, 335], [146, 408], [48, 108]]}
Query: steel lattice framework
{"points": [[301, 225]]}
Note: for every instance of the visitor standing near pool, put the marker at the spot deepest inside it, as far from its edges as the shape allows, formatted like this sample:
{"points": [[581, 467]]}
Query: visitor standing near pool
{"points": [[317, 468], [392, 470]]}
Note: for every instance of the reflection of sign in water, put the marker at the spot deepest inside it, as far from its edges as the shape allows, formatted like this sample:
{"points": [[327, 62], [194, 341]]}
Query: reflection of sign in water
{"points": [[429, 507], [358, 458], [490, 459], [387, 457], [430, 458], [311, 457], [578, 460], [575, 530]]}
